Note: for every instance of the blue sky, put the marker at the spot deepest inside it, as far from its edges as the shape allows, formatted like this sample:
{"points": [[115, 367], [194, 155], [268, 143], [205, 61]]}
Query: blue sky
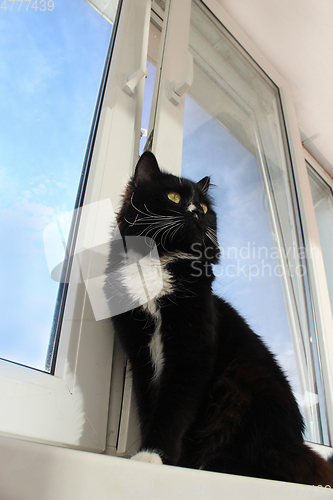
{"points": [[50, 69]]}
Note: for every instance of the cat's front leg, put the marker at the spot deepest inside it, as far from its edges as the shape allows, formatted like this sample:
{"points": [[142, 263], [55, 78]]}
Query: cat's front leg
{"points": [[178, 396]]}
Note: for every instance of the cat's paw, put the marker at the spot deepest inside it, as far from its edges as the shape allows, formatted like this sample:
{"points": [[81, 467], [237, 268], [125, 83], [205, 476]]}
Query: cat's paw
{"points": [[148, 456]]}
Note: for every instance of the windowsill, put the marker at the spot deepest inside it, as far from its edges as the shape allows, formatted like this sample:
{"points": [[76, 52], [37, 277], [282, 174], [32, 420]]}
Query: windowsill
{"points": [[37, 471]]}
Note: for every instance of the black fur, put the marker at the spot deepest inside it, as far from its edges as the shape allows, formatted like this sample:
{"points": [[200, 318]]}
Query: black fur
{"points": [[221, 403]]}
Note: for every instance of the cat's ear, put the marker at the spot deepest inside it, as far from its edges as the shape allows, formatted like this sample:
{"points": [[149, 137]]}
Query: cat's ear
{"points": [[146, 169], [204, 184]]}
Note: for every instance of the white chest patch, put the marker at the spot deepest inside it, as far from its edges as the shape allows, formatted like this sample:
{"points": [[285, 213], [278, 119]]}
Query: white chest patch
{"points": [[145, 279]]}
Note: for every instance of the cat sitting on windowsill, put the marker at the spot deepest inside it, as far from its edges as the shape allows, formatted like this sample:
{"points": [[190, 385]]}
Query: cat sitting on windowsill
{"points": [[210, 394]]}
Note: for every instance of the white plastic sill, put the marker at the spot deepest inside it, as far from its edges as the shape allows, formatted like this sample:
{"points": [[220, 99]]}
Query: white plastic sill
{"points": [[33, 471]]}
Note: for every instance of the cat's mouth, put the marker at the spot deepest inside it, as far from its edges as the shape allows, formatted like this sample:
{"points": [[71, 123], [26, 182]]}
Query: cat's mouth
{"points": [[194, 228], [194, 220]]}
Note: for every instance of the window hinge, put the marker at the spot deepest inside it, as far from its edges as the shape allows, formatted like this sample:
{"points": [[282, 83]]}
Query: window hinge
{"points": [[133, 80]]}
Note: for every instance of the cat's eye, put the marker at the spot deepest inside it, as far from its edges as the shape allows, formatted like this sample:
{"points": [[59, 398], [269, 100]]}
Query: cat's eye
{"points": [[175, 197], [204, 207]]}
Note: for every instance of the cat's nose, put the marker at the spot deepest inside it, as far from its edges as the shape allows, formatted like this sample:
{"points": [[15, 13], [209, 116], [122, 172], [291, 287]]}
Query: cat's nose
{"points": [[198, 212]]}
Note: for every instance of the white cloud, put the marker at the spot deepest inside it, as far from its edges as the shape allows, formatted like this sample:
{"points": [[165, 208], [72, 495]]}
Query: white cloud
{"points": [[27, 216], [40, 189]]}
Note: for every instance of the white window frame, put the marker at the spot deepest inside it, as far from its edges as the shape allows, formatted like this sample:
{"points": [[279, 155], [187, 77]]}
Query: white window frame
{"points": [[70, 408]]}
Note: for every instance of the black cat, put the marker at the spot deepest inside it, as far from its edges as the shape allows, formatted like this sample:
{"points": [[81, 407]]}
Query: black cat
{"points": [[210, 394]]}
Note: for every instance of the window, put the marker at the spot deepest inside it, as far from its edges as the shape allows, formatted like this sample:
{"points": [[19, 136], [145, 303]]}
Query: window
{"points": [[70, 407], [212, 100]]}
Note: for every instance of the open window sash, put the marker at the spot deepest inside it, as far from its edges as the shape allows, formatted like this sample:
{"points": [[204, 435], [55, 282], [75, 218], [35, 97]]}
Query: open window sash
{"points": [[70, 408]]}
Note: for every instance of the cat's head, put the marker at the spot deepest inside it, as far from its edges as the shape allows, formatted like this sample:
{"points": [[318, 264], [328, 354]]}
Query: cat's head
{"points": [[175, 212]]}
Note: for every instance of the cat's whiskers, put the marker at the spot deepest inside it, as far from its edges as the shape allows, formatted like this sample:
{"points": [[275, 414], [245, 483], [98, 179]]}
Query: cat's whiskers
{"points": [[158, 224], [137, 209], [168, 225], [163, 228], [177, 229], [212, 236], [152, 214], [161, 218], [173, 228], [157, 227], [158, 215], [132, 223]]}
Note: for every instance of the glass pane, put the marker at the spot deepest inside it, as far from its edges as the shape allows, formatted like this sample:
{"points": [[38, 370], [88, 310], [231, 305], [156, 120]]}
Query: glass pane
{"points": [[51, 66], [323, 202], [249, 269], [233, 132]]}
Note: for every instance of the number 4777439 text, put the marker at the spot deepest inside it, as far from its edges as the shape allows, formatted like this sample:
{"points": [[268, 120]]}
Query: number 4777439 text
{"points": [[41, 5]]}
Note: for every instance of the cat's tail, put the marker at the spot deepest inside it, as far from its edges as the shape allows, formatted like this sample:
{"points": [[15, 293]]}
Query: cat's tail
{"points": [[318, 471]]}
